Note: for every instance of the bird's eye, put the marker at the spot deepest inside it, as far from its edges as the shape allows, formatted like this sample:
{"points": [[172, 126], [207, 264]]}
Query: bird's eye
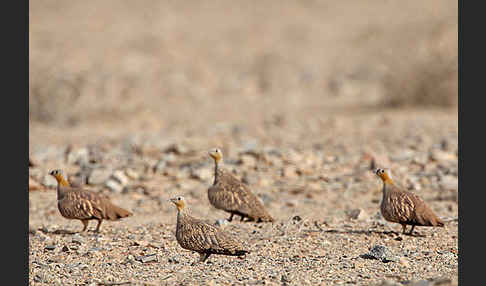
{"points": [[178, 199]]}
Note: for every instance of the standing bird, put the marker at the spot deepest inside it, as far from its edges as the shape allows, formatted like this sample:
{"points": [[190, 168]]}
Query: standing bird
{"points": [[199, 236], [85, 205], [231, 195], [404, 207]]}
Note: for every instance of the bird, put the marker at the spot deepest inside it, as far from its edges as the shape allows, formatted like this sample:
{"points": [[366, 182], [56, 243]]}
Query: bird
{"points": [[85, 205], [228, 193], [404, 207], [202, 237]]}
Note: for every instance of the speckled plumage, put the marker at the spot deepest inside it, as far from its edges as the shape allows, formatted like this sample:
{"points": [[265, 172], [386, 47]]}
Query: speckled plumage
{"points": [[206, 239], [228, 193], [85, 205], [404, 207]]}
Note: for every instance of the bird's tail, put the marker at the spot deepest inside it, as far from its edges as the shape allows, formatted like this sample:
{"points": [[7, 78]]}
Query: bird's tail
{"points": [[114, 212]]}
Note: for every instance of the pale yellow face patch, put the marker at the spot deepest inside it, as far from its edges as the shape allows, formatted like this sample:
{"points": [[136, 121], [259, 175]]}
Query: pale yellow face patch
{"points": [[179, 202], [216, 154], [384, 174], [59, 177]]}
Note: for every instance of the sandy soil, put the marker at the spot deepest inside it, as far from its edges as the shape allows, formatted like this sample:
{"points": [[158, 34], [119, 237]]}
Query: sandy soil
{"points": [[294, 93]]}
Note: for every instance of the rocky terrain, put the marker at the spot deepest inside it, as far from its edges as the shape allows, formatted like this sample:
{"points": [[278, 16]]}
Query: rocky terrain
{"points": [[322, 192], [304, 98]]}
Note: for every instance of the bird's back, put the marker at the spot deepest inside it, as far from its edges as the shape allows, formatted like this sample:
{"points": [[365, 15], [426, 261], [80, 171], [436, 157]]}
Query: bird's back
{"points": [[407, 208], [230, 194], [197, 235]]}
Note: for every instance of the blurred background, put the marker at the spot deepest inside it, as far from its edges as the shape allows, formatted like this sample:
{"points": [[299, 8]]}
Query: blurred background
{"points": [[111, 68]]}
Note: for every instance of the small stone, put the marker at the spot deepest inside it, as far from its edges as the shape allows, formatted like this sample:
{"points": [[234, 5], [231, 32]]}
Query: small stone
{"points": [[76, 238], [380, 252], [114, 186], [120, 177], [65, 248], [441, 156], [78, 157], [160, 167], [132, 174], [146, 258], [50, 247], [404, 262], [99, 176], [203, 174], [357, 214], [221, 222], [140, 243]]}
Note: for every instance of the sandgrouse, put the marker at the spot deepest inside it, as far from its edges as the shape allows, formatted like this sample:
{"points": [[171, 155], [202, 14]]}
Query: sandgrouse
{"points": [[228, 193], [404, 207], [206, 239], [85, 205]]}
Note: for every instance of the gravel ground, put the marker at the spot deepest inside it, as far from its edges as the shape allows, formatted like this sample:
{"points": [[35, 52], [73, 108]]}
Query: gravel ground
{"points": [[314, 176]]}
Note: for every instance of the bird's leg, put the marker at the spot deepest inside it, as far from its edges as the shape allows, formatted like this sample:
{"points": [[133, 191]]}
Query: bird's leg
{"points": [[231, 217], [99, 225], [242, 218], [411, 230], [204, 256], [85, 223], [404, 227]]}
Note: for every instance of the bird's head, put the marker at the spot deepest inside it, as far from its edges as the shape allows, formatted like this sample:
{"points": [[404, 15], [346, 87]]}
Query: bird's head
{"points": [[57, 174], [179, 202], [216, 154], [384, 174]]}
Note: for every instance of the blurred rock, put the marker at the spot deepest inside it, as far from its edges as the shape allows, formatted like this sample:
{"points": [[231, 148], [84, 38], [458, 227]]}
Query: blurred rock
{"points": [[99, 176], [357, 214], [114, 186], [78, 156], [120, 177], [49, 181]]}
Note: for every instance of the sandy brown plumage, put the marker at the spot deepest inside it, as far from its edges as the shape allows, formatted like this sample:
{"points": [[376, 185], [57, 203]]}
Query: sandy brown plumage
{"points": [[206, 239], [228, 193], [85, 205], [404, 207]]}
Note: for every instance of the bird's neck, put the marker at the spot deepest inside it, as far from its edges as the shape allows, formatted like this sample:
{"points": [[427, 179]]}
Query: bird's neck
{"points": [[217, 169], [387, 184], [181, 215], [61, 182]]}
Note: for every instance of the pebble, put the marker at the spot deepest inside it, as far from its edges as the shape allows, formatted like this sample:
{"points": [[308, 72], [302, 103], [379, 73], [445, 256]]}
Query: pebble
{"points": [[221, 222], [380, 252], [404, 262], [120, 177], [441, 156], [99, 176], [146, 258], [78, 156], [114, 186], [132, 174], [357, 214], [76, 238]]}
